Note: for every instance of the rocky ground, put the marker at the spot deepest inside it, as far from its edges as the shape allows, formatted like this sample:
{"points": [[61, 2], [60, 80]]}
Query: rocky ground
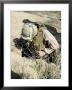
{"points": [[28, 68]]}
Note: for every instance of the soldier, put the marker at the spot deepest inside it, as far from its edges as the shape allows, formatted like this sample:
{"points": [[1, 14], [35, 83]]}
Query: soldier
{"points": [[50, 42], [29, 31]]}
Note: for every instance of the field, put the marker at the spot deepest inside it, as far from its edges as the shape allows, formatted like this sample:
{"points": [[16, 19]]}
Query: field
{"points": [[28, 68]]}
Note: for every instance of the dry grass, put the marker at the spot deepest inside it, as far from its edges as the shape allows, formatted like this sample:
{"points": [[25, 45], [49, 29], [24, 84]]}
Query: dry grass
{"points": [[34, 69]]}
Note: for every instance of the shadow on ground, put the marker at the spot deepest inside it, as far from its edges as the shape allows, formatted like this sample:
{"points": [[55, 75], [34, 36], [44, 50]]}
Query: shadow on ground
{"points": [[15, 75]]}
